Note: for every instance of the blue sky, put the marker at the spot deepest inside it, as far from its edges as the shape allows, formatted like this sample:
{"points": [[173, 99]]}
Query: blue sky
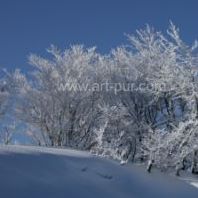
{"points": [[32, 25]]}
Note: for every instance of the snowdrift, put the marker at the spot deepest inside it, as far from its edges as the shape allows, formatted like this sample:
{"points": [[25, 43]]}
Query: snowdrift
{"points": [[34, 172]]}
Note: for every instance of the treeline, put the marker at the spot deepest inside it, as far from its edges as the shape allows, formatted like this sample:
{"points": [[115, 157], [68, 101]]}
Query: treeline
{"points": [[137, 103]]}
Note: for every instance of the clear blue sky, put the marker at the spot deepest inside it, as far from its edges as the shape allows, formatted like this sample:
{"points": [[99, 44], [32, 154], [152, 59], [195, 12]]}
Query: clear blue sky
{"points": [[32, 25]]}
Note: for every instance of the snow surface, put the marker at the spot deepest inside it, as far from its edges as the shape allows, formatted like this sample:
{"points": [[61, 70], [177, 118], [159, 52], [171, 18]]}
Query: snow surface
{"points": [[36, 172]]}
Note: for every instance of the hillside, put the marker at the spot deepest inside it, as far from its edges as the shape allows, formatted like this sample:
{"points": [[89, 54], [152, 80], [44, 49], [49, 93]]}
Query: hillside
{"points": [[34, 172]]}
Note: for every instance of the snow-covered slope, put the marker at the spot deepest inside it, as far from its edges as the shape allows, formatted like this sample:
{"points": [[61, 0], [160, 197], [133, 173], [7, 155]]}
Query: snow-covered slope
{"points": [[33, 172]]}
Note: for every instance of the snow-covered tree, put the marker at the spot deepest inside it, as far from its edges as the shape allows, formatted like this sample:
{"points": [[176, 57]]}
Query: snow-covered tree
{"points": [[59, 99], [4, 96]]}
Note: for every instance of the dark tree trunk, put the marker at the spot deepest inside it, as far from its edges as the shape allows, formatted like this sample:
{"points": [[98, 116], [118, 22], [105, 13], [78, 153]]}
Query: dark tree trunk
{"points": [[150, 165]]}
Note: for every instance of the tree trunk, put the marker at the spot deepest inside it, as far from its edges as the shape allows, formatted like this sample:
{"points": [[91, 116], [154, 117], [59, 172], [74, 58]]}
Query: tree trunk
{"points": [[149, 166], [194, 163]]}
